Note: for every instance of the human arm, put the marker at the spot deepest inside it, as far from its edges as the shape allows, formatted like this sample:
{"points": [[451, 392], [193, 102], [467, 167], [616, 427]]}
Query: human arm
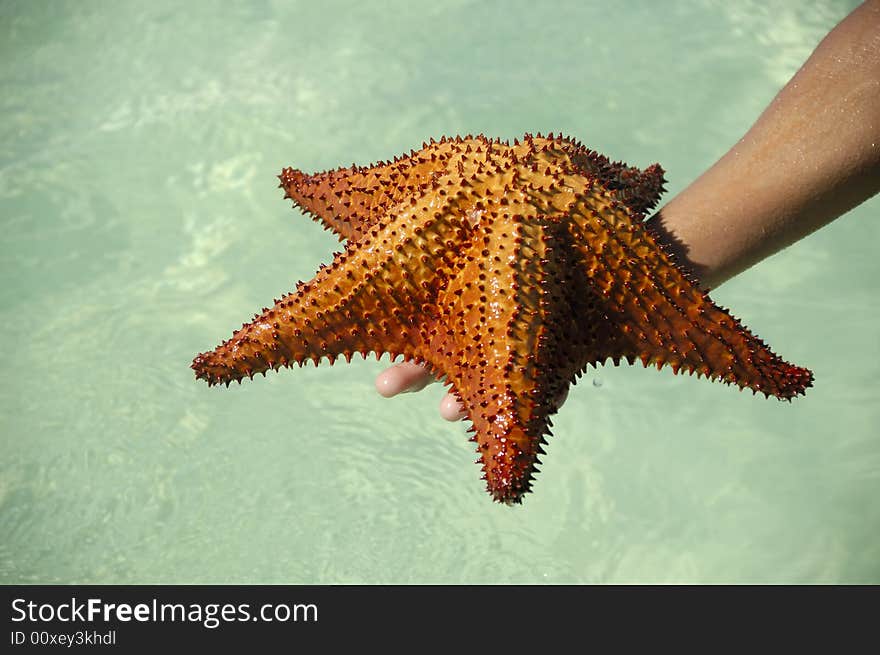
{"points": [[813, 155]]}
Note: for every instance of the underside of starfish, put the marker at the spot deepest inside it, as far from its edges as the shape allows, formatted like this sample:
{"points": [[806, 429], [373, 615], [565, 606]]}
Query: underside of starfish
{"points": [[507, 269]]}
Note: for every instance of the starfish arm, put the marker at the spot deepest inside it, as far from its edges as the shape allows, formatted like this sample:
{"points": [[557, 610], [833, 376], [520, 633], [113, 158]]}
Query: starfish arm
{"points": [[483, 349], [660, 315], [509, 428], [639, 190], [502, 318], [348, 201], [369, 299], [330, 316]]}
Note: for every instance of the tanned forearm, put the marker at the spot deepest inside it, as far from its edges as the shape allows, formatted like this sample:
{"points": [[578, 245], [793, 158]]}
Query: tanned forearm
{"points": [[813, 155]]}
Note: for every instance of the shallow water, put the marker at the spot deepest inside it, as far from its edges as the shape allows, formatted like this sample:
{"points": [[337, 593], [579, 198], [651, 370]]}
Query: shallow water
{"points": [[139, 144]]}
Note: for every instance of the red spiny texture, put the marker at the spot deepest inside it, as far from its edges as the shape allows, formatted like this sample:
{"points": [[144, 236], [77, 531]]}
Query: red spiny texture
{"points": [[508, 269]]}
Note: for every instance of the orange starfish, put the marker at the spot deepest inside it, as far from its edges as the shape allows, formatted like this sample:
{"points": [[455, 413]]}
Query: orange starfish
{"points": [[508, 269]]}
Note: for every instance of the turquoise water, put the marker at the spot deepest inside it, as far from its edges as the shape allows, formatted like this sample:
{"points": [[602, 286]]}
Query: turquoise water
{"points": [[139, 144]]}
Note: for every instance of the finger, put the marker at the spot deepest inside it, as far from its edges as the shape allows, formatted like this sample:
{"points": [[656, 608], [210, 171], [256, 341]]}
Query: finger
{"points": [[451, 409], [402, 378]]}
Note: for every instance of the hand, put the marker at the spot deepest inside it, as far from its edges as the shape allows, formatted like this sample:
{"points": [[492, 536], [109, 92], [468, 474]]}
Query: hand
{"points": [[809, 158], [408, 377]]}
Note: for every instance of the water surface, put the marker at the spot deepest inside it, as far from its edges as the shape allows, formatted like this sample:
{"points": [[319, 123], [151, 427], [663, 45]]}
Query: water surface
{"points": [[139, 144]]}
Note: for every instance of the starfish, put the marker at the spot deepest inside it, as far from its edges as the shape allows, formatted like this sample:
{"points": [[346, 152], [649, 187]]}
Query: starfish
{"points": [[507, 270]]}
